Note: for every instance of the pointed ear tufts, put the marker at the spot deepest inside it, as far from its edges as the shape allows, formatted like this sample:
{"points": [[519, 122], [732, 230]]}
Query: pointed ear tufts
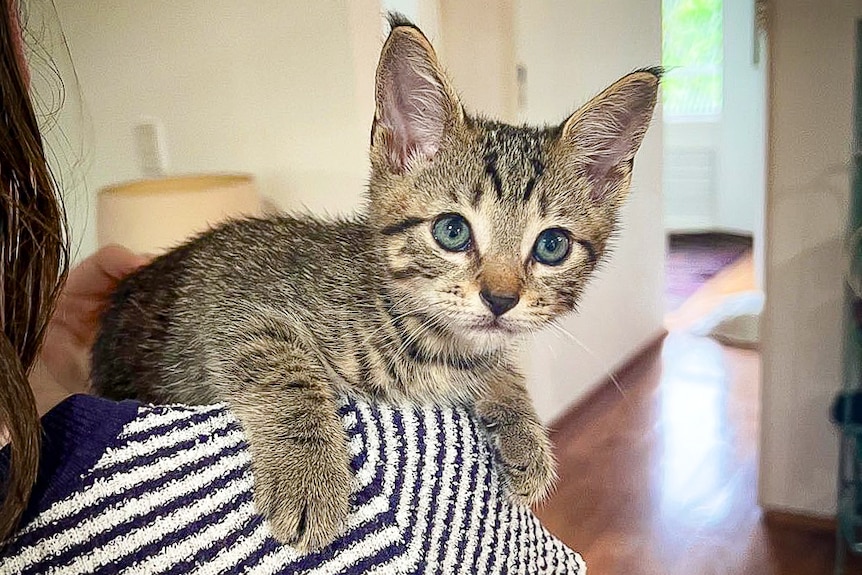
{"points": [[415, 103], [397, 19], [656, 71], [605, 134]]}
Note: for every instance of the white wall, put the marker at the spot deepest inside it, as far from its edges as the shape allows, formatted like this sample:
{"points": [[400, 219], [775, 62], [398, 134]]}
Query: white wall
{"points": [[279, 89], [479, 55], [742, 181], [571, 51], [811, 91], [692, 176]]}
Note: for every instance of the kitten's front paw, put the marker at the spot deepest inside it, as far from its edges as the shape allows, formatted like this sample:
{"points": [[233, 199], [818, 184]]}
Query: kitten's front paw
{"points": [[305, 499], [529, 469]]}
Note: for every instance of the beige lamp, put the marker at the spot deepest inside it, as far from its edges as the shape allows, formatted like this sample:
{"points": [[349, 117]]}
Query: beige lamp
{"points": [[151, 216]]}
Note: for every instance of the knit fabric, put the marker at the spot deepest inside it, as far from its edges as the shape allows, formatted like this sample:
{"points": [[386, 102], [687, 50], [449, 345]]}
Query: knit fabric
{"points": [[171, 492]]}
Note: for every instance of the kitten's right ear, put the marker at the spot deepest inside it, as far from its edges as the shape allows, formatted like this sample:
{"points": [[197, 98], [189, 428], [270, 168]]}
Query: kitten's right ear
{"points": [[415, 103]]}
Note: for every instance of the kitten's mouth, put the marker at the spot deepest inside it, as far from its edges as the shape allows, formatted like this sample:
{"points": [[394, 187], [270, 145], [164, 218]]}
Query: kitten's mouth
{"points": [[494, 326]]}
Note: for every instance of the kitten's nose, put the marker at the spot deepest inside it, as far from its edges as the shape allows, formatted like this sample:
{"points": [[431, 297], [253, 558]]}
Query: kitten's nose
{"points": [[499, 303]]}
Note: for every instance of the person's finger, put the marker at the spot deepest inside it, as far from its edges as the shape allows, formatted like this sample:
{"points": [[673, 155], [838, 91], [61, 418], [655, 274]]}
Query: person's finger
{"points": [[98, 274], [118, 262], [88, 290]]}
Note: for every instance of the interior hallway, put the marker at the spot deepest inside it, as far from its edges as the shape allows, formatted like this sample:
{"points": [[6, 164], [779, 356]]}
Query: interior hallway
{"points": [[660, 478]]}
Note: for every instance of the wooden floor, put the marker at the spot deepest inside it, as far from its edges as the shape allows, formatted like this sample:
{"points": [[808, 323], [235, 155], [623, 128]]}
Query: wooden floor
{"points": [[662, 480]]}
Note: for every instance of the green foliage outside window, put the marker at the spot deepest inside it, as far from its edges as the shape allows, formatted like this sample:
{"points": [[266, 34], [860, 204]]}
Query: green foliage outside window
{"points": [[692, 51]]}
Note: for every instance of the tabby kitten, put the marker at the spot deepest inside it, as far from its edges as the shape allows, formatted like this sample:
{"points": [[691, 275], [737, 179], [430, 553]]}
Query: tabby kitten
{"points": [[476, 232]]}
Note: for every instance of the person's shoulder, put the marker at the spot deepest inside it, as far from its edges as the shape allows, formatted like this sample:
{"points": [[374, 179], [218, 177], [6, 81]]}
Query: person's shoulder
{"points": [[160, 426], [84, 433], [98, 420]]}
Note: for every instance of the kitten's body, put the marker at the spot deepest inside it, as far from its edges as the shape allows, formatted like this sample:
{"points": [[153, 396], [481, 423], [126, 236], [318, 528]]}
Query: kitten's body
{"points": [[476, 232], [322, 279]]}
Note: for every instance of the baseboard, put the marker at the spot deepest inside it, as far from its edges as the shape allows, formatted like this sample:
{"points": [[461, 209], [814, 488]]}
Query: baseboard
{"points": [[798, 521], [606, 391], [707, 231]]}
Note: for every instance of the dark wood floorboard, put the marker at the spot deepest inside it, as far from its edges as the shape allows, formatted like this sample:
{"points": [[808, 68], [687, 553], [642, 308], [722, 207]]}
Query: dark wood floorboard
{"points": [[662, 481]]}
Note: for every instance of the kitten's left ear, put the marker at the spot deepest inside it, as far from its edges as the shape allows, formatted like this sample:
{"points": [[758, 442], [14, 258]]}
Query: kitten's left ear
{"points": [[605, 133], [415, 103]]}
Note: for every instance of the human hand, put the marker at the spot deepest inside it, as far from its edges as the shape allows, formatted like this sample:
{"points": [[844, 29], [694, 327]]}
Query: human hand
{"points": [[65, 354]]}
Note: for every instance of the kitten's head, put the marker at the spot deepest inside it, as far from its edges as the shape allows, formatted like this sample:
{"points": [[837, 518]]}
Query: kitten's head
{"points": [[491, 230]]}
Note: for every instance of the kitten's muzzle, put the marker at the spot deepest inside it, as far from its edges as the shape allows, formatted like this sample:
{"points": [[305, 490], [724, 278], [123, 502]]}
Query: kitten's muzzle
{"points": [[499, 302]]}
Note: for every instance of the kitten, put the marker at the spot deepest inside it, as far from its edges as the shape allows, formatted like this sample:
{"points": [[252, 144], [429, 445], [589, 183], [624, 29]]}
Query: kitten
{"points": [[476, 233]]}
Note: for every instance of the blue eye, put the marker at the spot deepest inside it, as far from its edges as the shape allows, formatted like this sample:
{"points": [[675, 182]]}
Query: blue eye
{"points": [[552, 247], [452, 232]]}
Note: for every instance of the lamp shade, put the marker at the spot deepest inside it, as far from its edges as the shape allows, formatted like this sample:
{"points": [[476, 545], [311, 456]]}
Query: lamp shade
{"points": [[151, 216]]}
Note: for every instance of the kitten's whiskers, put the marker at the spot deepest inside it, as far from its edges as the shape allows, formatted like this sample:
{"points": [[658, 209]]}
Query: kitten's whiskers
{"points": [[560, 329]]}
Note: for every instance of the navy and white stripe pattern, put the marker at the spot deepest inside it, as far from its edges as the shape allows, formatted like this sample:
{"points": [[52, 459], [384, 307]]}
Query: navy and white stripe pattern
{"points": [[174, 495]]}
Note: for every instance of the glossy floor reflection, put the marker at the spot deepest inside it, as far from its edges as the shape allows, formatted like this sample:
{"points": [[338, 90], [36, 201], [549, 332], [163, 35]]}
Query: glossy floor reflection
{"points": [[651, 476], [662, 480]]}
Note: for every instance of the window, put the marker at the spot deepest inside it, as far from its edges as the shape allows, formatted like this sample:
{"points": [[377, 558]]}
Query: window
{"points": [[692, 50]]}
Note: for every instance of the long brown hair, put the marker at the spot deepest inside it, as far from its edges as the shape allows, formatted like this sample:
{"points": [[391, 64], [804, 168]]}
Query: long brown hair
{"points": [[34, 259]]}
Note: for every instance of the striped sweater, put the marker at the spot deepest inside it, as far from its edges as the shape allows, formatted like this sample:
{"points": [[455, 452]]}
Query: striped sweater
{"points": [[126, 488]]}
